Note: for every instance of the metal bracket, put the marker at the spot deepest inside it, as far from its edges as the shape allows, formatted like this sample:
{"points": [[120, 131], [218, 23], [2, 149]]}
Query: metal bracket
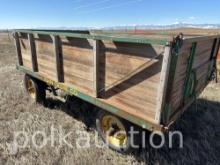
{"points": [[190, 82]]}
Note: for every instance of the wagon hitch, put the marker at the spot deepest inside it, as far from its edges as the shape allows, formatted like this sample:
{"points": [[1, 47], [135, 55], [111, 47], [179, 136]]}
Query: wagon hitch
{"points": [[179, 39]]}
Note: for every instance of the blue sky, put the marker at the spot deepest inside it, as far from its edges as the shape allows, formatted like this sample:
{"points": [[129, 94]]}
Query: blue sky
{"points": [[105, 13]]}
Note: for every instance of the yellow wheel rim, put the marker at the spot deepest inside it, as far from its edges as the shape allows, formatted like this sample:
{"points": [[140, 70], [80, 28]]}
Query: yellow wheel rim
{"points": [[114, 131], [31, 89]]}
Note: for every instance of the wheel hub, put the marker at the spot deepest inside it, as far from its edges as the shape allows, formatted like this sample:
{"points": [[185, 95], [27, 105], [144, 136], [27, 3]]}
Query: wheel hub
{"points": [[114, 130]]}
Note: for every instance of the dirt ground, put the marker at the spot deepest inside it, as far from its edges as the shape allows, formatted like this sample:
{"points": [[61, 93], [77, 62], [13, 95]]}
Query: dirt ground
{"points": [[200, 127]]}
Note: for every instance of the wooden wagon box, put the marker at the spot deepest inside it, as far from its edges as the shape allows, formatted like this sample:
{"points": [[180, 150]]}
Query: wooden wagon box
{"points": [[148, 80]]}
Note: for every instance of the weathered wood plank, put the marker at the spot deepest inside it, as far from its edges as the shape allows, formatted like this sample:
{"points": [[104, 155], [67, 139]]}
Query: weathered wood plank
{"points": [[45, 48], [201, 38], [18, 48], [78, 69], [96, 68], [131, 74], [33, 52], [25, 51], [135, 51], [163, 83], [134, 93], [83, 85], [82, 57], [131, 109], [148, 85], [58, 58], [27, 63]]}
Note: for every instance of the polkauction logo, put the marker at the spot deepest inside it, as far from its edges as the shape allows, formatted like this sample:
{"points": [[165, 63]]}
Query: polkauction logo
{"points": [[58, 138]]}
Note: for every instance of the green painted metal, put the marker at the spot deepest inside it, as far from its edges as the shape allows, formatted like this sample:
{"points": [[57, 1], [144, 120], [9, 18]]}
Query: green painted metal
{"points": [[190, 84], [167, 113], [190, 88], [72, 91], [167, 109], [76, 34]]}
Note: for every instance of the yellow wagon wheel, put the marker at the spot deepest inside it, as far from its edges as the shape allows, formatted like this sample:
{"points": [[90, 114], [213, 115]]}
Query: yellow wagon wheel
{"points": [[114, 132], [35, 89], [31, 89]]}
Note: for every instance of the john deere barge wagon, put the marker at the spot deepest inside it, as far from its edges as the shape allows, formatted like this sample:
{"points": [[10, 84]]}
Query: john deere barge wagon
{"points": [[145, 80]]}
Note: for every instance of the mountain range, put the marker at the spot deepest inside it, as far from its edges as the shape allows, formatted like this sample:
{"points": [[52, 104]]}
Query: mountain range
{"points": [[172, 26]]}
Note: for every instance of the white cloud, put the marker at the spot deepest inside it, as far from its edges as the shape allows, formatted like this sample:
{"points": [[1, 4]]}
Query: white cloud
{"points": [[192, 18]]}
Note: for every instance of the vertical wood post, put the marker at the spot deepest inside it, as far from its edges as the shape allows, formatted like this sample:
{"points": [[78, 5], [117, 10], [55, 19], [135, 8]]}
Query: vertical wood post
{"points": [[18, 48], [33, 52], [163, 83], [58, 58], [95, 68]]}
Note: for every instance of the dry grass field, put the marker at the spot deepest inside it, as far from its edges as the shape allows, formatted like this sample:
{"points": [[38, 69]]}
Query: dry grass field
{"points": [[200, 127]]}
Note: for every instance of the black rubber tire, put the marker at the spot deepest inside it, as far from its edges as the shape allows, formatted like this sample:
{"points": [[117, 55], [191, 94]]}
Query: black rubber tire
{"points": [[40, 89], [128, 148]]}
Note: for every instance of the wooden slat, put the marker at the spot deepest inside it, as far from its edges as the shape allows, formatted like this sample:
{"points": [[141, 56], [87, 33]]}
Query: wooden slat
{"points": [[78, 69], [48, 59], [135, 51], [83, 85], [18, 48], [131, 74], [25, 47], [163, 83], [144, 113], [135, 93], [95, 67], [33, 52], [200, 38], [82, 57], [47, 69], [58, 58], [78, 61], [149, 85], [144, 94], [27, 63], [45, 48]]}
